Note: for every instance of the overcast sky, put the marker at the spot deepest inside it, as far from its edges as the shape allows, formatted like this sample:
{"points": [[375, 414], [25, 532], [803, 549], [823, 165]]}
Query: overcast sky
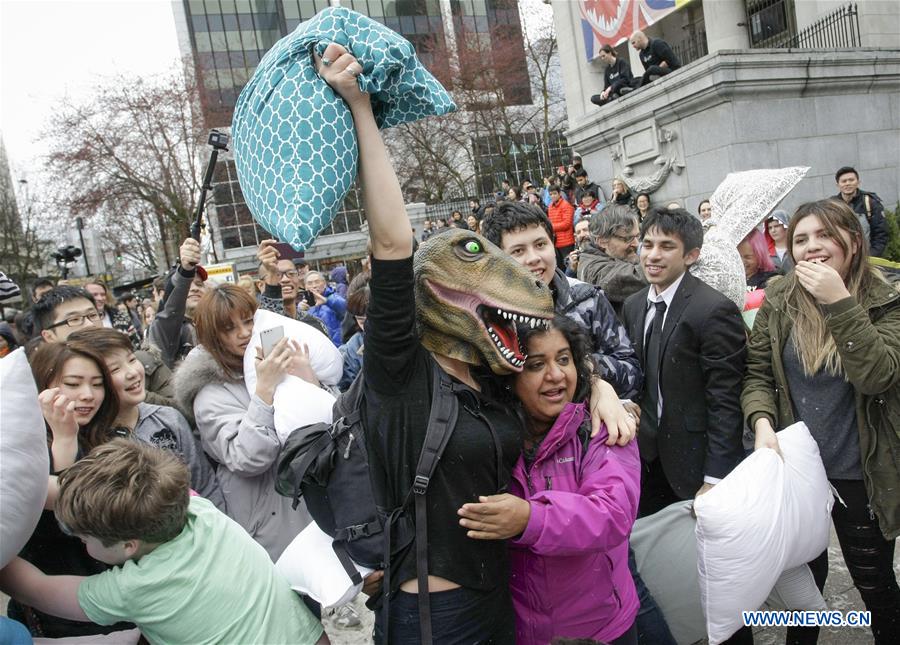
{"points": [[53, 48]]}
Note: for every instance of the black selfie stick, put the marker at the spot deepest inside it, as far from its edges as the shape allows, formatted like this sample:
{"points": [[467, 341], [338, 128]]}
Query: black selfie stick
{"points": [[219, 141]]}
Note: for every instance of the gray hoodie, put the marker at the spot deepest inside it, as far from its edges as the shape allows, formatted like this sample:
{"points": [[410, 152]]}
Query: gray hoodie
{"points": [[238, 432], [166, 428]]}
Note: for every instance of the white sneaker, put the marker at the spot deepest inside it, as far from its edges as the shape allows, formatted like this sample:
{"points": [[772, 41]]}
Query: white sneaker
{"points": [[346, 617]]}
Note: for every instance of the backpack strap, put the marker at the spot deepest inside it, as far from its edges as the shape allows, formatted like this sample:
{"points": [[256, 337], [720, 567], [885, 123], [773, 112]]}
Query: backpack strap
{"points": [[441, 422], [868, 202]]}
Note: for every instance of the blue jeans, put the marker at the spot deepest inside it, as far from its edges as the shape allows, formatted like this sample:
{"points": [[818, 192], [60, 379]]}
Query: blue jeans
{"points": [[457, 616], [651, 624]]}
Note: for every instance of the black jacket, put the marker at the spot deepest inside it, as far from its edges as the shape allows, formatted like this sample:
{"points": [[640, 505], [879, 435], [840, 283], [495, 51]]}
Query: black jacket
{"points": [[703, 351], [873, 214], [617, 76], [658, 51]]}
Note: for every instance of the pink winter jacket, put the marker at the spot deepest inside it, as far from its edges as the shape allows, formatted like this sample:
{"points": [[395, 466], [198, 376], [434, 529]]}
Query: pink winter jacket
{"points": [[569, 569]]}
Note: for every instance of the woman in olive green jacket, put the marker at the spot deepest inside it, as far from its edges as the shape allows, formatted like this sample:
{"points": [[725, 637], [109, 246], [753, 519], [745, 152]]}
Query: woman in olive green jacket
{"points": [[825, 349]]}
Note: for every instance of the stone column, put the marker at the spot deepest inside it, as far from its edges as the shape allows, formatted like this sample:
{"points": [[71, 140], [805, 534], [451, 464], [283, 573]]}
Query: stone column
{"points": [[722, 18]]}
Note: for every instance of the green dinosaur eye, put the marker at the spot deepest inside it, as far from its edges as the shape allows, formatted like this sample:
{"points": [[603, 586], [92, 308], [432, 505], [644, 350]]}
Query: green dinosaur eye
{"points": [[473, 247]]}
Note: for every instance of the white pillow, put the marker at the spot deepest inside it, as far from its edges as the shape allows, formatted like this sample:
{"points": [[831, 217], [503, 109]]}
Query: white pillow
{"points": [[297, 403], [665, 549], [311, 567], [768, 515], [23, 454]]}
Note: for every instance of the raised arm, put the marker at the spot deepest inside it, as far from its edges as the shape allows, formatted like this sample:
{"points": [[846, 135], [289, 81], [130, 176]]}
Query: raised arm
{"points": [[165, 330], [390, 230]]}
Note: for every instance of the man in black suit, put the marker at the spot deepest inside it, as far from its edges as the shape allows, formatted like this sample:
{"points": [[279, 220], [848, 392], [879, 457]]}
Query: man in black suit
{"points": [[691, 343]]}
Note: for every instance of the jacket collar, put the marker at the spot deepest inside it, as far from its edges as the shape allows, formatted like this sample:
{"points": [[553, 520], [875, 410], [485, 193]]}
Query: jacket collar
{"points": [[564, 428]]}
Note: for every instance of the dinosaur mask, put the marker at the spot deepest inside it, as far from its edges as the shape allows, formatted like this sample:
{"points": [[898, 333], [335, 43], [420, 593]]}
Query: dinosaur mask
{"points": [[470, 296]]}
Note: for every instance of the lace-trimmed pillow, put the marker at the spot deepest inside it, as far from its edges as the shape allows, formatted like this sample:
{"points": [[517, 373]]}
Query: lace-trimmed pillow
{"points": [[294, 142]]}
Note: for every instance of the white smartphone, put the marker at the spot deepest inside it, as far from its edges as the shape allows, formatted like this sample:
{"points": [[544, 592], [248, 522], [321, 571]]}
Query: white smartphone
{"points": [[269, 337]]}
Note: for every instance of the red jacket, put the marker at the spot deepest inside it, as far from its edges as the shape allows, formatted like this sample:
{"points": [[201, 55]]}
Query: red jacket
{"points": [[561, 214]]}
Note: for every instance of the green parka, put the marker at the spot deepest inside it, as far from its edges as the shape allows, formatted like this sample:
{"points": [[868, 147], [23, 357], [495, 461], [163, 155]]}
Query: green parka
{"points": [[867, 335]]}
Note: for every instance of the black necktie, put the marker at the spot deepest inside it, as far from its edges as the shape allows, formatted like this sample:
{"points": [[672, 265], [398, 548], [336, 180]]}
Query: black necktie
{"points": [[650, 401]]}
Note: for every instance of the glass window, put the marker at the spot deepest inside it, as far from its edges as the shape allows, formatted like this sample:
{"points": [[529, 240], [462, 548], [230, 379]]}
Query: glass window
{"points": [[421, 24], [199, 23], [245, 21], [231, 238], [215, 22], [291, 10], [390, 8], [210, 81], [228, 6], [242, 211], [219, 44], [240, 76], [376, 9], [292, 24], [248, 236], [407, 25], [222, 193], [230, 21], [307, 9], [226, 215], [233, 38]]}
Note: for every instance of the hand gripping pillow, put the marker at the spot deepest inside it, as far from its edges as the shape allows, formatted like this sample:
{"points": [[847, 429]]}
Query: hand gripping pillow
{"points": [[294, 140], [24, 460], [296, 402], [767, 516]]}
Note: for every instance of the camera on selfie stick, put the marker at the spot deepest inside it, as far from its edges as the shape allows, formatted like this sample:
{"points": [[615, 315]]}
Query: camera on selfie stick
{"points": [[64, 255], [218, 141]]}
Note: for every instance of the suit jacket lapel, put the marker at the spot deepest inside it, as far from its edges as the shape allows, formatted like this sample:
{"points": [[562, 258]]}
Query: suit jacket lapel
{"points": [[679, 304], [637, 328]]}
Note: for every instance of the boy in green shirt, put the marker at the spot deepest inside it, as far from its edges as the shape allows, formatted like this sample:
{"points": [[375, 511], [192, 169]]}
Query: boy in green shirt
{"points": [[185, 572]]}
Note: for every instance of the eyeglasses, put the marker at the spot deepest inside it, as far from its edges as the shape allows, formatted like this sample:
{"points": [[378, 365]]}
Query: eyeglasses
{"points": [[293, 273], [76, 321], [627, 238]]}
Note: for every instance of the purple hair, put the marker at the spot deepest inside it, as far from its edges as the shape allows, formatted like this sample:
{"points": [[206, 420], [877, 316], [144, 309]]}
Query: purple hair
{"points": [[757, 242]]}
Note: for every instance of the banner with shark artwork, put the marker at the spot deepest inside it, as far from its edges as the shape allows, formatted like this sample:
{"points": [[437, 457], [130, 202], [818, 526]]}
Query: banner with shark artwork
{"points": [[612, 21]]}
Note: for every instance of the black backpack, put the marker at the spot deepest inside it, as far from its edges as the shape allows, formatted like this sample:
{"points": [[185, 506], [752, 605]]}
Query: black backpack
{"points": [[328, 465]]}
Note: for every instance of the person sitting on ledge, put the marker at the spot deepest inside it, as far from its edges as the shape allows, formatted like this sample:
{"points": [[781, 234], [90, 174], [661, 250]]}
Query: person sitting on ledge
{"points": [[616, 76], [656, 56]]}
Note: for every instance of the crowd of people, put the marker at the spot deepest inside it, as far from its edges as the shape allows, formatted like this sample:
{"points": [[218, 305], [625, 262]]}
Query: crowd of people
{"points": [[598, 381]]}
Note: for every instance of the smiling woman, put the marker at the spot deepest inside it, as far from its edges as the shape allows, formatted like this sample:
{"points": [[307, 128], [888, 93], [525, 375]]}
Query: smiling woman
{"points": [[79, 406]]}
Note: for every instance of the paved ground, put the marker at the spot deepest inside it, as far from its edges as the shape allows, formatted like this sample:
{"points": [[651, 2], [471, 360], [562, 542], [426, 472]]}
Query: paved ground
{"points": [[839, 594]]}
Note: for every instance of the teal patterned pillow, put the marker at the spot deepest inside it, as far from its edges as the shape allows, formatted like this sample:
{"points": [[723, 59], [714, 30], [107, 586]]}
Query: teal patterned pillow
{"points": [[293, 137]]}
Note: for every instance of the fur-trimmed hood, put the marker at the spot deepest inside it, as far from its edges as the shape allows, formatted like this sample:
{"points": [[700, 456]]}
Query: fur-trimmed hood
{"points": [[197, 370]]}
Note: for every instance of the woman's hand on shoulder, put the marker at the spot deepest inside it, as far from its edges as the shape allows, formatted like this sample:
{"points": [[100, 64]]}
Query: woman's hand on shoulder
{"points": [[59, 413], [340, 69], [606, 408]]}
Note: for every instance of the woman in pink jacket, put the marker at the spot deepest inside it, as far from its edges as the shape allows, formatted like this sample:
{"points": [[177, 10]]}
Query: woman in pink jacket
{"points": [[572, 504]]}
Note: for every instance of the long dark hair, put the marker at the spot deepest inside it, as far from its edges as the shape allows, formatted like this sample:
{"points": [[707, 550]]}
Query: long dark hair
{"points": [[47, 364]]}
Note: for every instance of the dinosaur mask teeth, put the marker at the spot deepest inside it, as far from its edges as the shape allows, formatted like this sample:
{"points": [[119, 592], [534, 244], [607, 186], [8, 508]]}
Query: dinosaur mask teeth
{"points": [[501, 327]]}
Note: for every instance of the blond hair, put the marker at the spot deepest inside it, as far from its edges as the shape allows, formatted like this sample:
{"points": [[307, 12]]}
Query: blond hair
{"points": [[814, 343], [125, 490]]}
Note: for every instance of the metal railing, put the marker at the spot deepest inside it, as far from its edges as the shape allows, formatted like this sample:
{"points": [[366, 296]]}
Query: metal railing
{"points": [[691, 49], [837, 29]]}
